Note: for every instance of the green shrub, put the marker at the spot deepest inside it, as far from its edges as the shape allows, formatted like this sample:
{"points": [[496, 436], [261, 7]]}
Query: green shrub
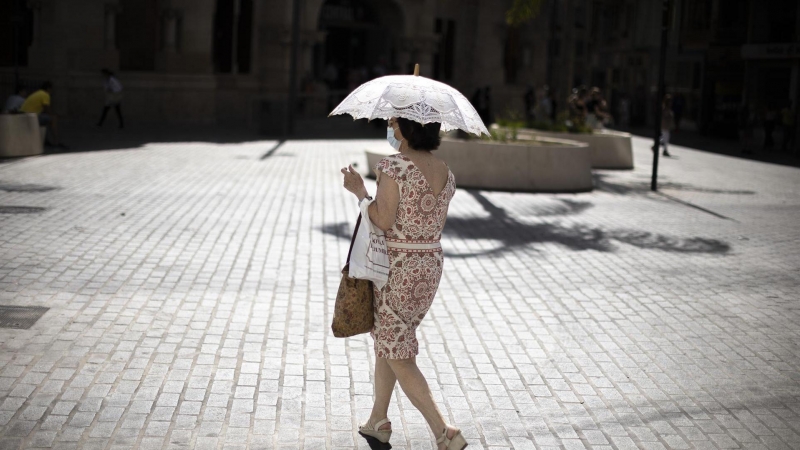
{"points": [[563, 124]]}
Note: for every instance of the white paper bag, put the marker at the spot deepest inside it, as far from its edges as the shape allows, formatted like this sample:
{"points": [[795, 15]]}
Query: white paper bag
{"points": [[369, 260]]}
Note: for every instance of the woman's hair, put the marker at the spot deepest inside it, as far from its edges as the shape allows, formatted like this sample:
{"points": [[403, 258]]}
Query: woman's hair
{"points": [[419, 136]]}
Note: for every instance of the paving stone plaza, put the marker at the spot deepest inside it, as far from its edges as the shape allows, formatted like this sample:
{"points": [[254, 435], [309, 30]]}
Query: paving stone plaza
{"points": [[190, 289]]}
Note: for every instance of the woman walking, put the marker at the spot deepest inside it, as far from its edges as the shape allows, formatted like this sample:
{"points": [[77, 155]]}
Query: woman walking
{"points": [[113, 92], [667, 123], [414, 193]]}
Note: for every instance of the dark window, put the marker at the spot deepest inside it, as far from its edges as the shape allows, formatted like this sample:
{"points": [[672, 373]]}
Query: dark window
{"points": [[580, 15], [512, 55], [627, 21], [16, 27], [613, 15], [232, 24], [223, 36], [138, 34], [597, 9], [697, 15], [244, 38], [782, 20], [444, 59]]}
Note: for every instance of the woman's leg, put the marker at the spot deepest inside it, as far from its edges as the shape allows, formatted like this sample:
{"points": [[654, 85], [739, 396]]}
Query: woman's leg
{"points": [[103, 116], [118, 108], [414, 385], [385, 380]]}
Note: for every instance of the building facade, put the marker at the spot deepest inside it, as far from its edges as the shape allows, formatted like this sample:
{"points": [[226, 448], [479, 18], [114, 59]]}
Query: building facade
{"points": [[721, 54], [228, 61]]}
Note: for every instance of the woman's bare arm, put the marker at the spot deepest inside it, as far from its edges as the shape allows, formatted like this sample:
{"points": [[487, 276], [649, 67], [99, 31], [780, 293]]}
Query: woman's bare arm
{"points": [[383, 211]]}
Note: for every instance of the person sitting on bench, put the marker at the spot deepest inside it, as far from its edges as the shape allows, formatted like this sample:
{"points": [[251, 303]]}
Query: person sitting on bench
{"points": [[15, 101], [39, 103]]}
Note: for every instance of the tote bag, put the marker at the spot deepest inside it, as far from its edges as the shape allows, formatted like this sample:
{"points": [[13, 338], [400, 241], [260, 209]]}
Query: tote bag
{"points": [[354, 309], [370, 259]]}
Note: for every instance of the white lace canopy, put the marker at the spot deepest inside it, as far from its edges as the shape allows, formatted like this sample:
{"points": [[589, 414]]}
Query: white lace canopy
{"points": [[414, 98]]}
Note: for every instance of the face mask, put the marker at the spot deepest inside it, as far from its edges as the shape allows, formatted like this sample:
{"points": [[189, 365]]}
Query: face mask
{"points": [[392, 140]]}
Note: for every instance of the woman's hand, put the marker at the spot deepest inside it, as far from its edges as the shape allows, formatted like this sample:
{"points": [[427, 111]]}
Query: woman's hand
{"points": [[353, 182]]}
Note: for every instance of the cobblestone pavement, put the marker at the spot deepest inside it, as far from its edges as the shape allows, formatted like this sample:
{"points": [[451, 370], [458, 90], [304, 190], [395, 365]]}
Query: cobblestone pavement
{"points": [[191, 288]]}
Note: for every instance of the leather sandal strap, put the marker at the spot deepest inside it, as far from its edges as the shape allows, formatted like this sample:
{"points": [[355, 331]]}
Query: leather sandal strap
{"points": [[381, 423], [443, 438]]}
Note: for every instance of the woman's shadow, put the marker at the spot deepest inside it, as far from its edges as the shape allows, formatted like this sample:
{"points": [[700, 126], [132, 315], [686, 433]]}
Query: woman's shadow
{"points": [[511, 233]]}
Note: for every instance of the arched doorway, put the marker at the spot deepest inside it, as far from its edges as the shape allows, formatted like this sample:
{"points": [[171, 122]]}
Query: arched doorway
{"points": [[361, 39]]}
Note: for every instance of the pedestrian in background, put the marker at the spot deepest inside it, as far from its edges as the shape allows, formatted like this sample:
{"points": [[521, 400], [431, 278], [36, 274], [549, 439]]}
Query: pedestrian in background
{"points": [[39, 103], [770, 120], [487, 105], [576, 106], [113, 93], [667, 123], [553, 105], [787, 126], [624, 111], [481, 101], [678, 105], [746, 122], [530, 104], [414, 193], [15, 101], [596, 116], [545, 105]]}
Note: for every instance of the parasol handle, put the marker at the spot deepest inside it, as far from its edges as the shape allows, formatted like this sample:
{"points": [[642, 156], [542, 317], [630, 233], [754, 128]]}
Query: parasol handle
{"points": [[416, 70]]}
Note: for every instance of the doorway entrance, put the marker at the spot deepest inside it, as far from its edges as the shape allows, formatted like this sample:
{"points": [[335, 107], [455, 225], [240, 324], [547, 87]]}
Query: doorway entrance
{"points": [[360, 44]]}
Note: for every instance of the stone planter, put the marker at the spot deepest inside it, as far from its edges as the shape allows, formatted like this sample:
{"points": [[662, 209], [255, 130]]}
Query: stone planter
{"points": [[609, 149], [20, 135], [542, 164]]}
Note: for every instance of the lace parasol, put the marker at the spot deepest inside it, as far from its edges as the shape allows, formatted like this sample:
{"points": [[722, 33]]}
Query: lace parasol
{"points": [[414, 98]]}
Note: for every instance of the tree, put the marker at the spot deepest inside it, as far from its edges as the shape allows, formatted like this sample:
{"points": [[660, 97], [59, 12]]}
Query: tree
{"points": [[523, 11]]}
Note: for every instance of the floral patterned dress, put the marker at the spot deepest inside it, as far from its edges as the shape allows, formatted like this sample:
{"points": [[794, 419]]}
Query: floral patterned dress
{"points": [[415, 258]]}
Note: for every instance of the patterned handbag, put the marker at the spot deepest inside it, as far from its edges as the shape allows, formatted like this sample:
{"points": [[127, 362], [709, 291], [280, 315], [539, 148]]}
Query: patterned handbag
{"points": [[353, 313]]}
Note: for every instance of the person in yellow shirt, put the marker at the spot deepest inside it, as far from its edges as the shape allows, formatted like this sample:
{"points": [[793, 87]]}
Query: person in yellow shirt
{"points": [[39, 103]]}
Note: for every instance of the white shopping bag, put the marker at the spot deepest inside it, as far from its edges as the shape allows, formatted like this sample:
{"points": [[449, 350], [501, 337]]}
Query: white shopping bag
{"points": [[369, 259]]}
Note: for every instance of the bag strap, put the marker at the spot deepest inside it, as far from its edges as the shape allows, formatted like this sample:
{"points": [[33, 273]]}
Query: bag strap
{"points": [[353, 240]]}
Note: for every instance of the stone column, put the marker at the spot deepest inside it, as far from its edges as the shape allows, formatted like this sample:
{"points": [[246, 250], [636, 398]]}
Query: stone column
{"points": [[112, 10], [168, 58], [36, 8], [308, 39], [171, 17]]}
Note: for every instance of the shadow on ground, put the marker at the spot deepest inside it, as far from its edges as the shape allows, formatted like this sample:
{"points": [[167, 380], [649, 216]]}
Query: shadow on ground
{"points": [[510, 234], [21, 187], [82, 137], [604, 182]]}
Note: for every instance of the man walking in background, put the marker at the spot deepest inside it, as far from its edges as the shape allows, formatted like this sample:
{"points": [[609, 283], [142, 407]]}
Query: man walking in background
{"points": [[113, 92], [667, 123], [787, 126]]}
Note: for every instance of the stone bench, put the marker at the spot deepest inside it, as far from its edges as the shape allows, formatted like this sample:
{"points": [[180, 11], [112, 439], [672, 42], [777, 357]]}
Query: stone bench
{"points": [[609, 149], [20, 135], [541, 164]]}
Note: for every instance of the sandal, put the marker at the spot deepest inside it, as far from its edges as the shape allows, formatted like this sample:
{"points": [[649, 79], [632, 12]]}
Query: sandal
{"points": [[457, 442], [369, 430]]}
